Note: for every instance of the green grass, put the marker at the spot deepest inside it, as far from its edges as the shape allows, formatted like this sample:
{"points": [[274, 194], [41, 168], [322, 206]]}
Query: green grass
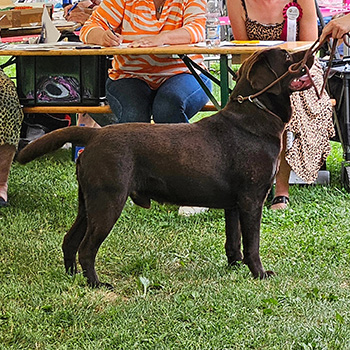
{"points": [[173, 289], [10, 70]]}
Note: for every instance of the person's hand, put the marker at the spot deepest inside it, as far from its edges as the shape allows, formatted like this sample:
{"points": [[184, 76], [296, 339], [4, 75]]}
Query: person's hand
{"points": [[336, 28], [103, 37], [111, 39], [148, 41], [78, 15], [81, 12], [81, 4], [66, 9]]}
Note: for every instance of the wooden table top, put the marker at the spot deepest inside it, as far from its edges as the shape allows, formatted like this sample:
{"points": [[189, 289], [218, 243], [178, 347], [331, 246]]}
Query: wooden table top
{"points": [[163, 50]]}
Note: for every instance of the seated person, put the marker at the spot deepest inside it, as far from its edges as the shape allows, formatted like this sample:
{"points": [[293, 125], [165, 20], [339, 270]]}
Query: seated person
{"points": [[311, 124], [11, 117], [140, 87]]}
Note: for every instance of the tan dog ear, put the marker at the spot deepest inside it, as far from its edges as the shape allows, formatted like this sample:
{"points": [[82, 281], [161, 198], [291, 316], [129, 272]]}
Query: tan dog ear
{"points": [[260, 73]]}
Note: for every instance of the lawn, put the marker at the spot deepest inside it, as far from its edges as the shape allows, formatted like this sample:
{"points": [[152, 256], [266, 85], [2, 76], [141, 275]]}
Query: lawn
{"points": [[173, 289], [172, 286]]}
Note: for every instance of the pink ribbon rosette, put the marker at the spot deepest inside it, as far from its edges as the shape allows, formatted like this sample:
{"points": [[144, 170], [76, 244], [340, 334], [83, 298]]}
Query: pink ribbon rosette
{"points": [[292, 14]]}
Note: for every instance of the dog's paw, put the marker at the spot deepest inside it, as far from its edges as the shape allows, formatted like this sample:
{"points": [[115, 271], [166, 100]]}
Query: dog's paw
{"points": [[99, 285], [265, 274], [234, 263], [236, 259], [71, 267]]}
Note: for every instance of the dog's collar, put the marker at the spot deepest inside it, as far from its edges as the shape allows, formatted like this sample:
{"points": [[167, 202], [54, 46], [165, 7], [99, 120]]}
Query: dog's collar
{"points": [[257, 103]]}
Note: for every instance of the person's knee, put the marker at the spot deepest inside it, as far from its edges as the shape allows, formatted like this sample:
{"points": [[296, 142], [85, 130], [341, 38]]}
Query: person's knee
{"points": [[127, 106], [128, 113], [169, 108], [115, 107]]}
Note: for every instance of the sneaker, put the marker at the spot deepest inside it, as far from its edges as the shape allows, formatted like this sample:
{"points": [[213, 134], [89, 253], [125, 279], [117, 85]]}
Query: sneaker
{"points": [[188, 211]]}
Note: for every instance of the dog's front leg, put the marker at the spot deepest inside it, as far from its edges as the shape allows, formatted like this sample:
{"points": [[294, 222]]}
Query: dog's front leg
{"points": [[233, 237], [250, 219]]}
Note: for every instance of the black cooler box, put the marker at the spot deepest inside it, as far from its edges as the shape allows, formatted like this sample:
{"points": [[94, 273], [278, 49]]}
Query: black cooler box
{"points": [[61, 80]]}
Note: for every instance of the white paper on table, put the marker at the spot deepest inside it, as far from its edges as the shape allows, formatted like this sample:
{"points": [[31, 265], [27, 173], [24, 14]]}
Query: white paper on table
{"points": [[67, 45], [49, 31]]}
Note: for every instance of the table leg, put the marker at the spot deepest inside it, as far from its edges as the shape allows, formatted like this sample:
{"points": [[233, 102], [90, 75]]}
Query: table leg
{"points": [[224, 83]]}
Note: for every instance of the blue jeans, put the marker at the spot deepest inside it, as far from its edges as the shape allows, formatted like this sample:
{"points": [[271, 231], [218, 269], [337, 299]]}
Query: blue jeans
{"points": [[177, 100]]}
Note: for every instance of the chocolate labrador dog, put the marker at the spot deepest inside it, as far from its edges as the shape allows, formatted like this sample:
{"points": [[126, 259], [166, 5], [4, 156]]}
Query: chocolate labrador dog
{"points": [[226, 161]]}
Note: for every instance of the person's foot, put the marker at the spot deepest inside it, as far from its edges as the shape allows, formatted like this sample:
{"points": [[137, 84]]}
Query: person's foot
{"points": [[3, 195], [188, 211], [279, 203], [3, 203]]}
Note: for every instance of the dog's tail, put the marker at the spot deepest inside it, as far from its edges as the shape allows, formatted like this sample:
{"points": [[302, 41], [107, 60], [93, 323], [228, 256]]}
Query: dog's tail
{"points": [[54, 140]]}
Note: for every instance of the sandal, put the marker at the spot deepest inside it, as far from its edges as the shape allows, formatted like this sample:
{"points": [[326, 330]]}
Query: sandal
{"points": [[278, 200], [3, 203]]}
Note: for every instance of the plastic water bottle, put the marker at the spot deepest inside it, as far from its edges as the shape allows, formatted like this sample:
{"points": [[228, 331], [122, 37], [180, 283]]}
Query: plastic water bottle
{"points": [[213, 23]]}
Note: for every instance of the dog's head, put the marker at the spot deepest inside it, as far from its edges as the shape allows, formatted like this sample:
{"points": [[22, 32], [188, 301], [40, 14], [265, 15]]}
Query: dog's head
{"points": [[264, 67], [267, 66]]}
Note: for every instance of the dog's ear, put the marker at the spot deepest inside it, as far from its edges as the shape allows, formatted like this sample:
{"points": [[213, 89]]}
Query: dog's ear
{"points": [[261, 73]]}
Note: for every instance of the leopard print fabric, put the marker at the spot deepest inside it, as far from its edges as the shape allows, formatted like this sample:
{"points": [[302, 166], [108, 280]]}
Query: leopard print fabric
{"points": [[258, 31], [311, 122], [312, 127], [11, 114]]}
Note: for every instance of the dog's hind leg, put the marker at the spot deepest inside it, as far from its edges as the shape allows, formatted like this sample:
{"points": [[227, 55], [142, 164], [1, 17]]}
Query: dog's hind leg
{"points": [[250, 219], [233, 237], [73, 238], [103, 210]]}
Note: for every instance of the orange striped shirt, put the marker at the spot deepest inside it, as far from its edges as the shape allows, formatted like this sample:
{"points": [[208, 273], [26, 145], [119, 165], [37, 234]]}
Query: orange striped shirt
{"points": [[136, 18]]}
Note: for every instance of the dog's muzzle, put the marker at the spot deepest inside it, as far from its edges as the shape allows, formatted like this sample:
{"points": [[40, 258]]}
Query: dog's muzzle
{"points": [[302, 83]]}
